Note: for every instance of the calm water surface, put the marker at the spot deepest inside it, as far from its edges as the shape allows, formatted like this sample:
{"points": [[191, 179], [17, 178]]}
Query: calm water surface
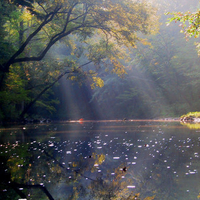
{"points": [[100, 160]]}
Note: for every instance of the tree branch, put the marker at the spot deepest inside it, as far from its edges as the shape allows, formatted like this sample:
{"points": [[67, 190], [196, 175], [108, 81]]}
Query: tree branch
{"points": [[49, 17], [17, 185], [48, 87], [44, 52]]}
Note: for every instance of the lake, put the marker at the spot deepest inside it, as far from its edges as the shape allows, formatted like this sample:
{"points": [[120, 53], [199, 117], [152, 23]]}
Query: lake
{"points": [[100, 160]]}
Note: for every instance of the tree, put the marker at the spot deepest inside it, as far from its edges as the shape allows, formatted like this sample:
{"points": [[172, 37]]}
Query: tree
{"points": [[42, 24], [62, 18]]}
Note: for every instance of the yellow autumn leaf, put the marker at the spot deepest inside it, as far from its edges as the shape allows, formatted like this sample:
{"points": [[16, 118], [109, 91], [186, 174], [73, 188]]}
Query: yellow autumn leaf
{"points": [[98, 82], [150, 198]]}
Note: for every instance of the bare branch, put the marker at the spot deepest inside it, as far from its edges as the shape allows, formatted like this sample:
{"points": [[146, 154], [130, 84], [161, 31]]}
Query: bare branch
{"points": [[42, 7]]}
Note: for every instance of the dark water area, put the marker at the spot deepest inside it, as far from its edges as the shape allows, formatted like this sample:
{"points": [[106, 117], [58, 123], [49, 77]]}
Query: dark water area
{"points": [[100, 160]]}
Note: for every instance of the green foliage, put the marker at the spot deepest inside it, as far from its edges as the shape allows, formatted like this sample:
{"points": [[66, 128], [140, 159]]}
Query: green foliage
{"points": [[48, 107], [6, 47], [189, 23], [14, 95], [192, 114], [21, 88]]}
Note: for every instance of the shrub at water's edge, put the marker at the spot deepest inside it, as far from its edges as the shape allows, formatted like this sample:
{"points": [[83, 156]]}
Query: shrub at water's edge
{"points": [[191, 117]]}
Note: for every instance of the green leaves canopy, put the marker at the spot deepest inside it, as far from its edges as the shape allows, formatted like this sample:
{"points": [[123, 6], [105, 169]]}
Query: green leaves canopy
{"points": [[115, 20], [189, 23]]}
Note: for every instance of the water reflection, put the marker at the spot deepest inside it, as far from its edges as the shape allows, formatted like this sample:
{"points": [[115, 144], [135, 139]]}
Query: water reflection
{"points": [[195, 126], [110, 160]]}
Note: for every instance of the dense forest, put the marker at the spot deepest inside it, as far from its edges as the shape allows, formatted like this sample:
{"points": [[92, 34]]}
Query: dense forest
{"points": [[97, 59]]}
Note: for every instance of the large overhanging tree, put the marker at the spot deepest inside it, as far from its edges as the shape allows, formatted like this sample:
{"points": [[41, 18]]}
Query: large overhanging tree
{"points": [[116, 21]]}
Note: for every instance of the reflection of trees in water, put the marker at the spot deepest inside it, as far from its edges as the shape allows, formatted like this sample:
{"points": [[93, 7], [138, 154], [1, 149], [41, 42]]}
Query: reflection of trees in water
{"points": [[111, 185], [36, 167], [195, 126], [28, 168], [15, 175]]}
